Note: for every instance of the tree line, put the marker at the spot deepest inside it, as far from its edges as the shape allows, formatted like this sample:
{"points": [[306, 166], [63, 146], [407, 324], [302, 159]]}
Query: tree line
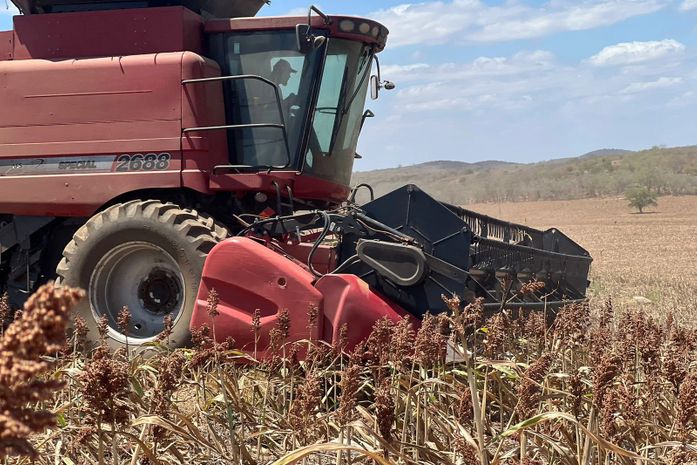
{"points": [[662, 171]]}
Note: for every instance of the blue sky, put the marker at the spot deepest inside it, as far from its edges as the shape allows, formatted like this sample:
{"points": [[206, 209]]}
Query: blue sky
{"points": [[524, 80]]}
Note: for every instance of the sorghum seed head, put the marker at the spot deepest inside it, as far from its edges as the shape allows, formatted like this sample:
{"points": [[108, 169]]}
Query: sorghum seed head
{"points": [[256, 321], [384, 409], [103, 327], [167, 325], [283, 323], [124, 320], [212, 303]]}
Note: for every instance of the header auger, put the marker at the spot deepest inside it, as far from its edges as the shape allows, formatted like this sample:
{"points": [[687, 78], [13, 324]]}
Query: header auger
{"points": [[169, 149]]}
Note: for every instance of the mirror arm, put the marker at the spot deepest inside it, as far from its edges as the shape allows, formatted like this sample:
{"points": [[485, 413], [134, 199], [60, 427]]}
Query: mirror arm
{"points": [[377, 83], [327, 19], [377, 65]]}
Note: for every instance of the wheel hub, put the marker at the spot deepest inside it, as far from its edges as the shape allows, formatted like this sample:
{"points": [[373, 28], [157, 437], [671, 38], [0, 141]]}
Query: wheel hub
{"points": [[159, 291], [143, 277]]}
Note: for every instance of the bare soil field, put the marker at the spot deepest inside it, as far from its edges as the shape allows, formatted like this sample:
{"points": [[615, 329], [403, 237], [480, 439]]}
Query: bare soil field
{"points": [[636, 256]]}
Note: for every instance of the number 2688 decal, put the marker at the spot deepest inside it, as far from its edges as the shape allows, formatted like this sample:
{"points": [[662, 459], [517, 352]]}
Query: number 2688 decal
{"points": [[143, 162]]}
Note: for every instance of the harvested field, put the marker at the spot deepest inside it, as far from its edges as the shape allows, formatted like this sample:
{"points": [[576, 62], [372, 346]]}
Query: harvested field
{"points": [[636, 256]]}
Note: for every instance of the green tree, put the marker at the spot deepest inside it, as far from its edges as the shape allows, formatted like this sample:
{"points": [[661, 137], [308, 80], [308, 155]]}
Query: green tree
{"points": [[640, 197]]}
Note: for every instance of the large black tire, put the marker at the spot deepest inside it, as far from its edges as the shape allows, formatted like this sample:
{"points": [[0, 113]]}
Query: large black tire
{"points": [[143, 254]]}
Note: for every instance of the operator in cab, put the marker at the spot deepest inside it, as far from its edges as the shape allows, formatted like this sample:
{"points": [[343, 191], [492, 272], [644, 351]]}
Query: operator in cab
{"points": [[281, 74]]}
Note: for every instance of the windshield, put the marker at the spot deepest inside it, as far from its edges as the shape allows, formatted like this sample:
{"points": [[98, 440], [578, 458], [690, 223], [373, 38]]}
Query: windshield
{"points": [[321, 139], [337, 117], [273, 56]]}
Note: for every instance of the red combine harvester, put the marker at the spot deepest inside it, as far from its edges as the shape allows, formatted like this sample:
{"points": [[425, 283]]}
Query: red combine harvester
{"points": [[153, 151]]}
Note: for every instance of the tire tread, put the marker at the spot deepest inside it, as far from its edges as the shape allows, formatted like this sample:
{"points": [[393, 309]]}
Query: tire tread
{"points": [[200, 231]]}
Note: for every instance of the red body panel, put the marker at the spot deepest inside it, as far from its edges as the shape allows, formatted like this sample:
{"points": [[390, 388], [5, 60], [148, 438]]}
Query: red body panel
{"points": [[96, 110], [107, 33], [249, 276], [124, 96], [72, 194], [6, 45], [349, 301], [91, 106], [304, 187]]}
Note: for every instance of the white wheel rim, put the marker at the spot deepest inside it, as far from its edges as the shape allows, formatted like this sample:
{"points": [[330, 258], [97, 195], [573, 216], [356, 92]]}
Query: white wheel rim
{"points": [[144, 277]]}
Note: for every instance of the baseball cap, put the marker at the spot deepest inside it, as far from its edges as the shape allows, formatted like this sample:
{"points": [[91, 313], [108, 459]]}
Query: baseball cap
{"points": [[284, 65]]}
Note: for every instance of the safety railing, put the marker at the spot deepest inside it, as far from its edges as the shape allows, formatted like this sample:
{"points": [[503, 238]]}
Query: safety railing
{"points": [[237, 127]]}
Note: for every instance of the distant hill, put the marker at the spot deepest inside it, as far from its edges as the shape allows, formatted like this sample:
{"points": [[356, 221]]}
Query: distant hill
{"points": [[605, 172], [606, 153], [449, 164]]}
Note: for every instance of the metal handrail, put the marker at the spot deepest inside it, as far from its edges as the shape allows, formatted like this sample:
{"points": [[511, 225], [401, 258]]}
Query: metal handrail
{"points": [[277, 94], [234, 126]]}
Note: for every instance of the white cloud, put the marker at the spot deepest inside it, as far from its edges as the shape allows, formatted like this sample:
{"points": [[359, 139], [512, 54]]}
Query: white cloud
{"points": [[531, 81], [570, 18], [627, 53], [296, 12], [479, 68], [688, 5], [436, 22], [405, 72], [661, 83], [507, 83]]}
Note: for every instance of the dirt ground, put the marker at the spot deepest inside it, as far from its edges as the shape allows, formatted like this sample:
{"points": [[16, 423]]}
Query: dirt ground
{"points": [[636, 256]]}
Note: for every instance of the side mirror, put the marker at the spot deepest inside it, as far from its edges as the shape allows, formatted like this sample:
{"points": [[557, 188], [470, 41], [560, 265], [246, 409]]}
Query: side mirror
{"points": [[306, 41], [303, 32], [303, 38], [374, 87]]}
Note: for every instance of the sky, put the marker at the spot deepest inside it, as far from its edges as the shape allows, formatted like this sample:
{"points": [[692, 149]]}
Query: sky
{"points": [[523, 80]]}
